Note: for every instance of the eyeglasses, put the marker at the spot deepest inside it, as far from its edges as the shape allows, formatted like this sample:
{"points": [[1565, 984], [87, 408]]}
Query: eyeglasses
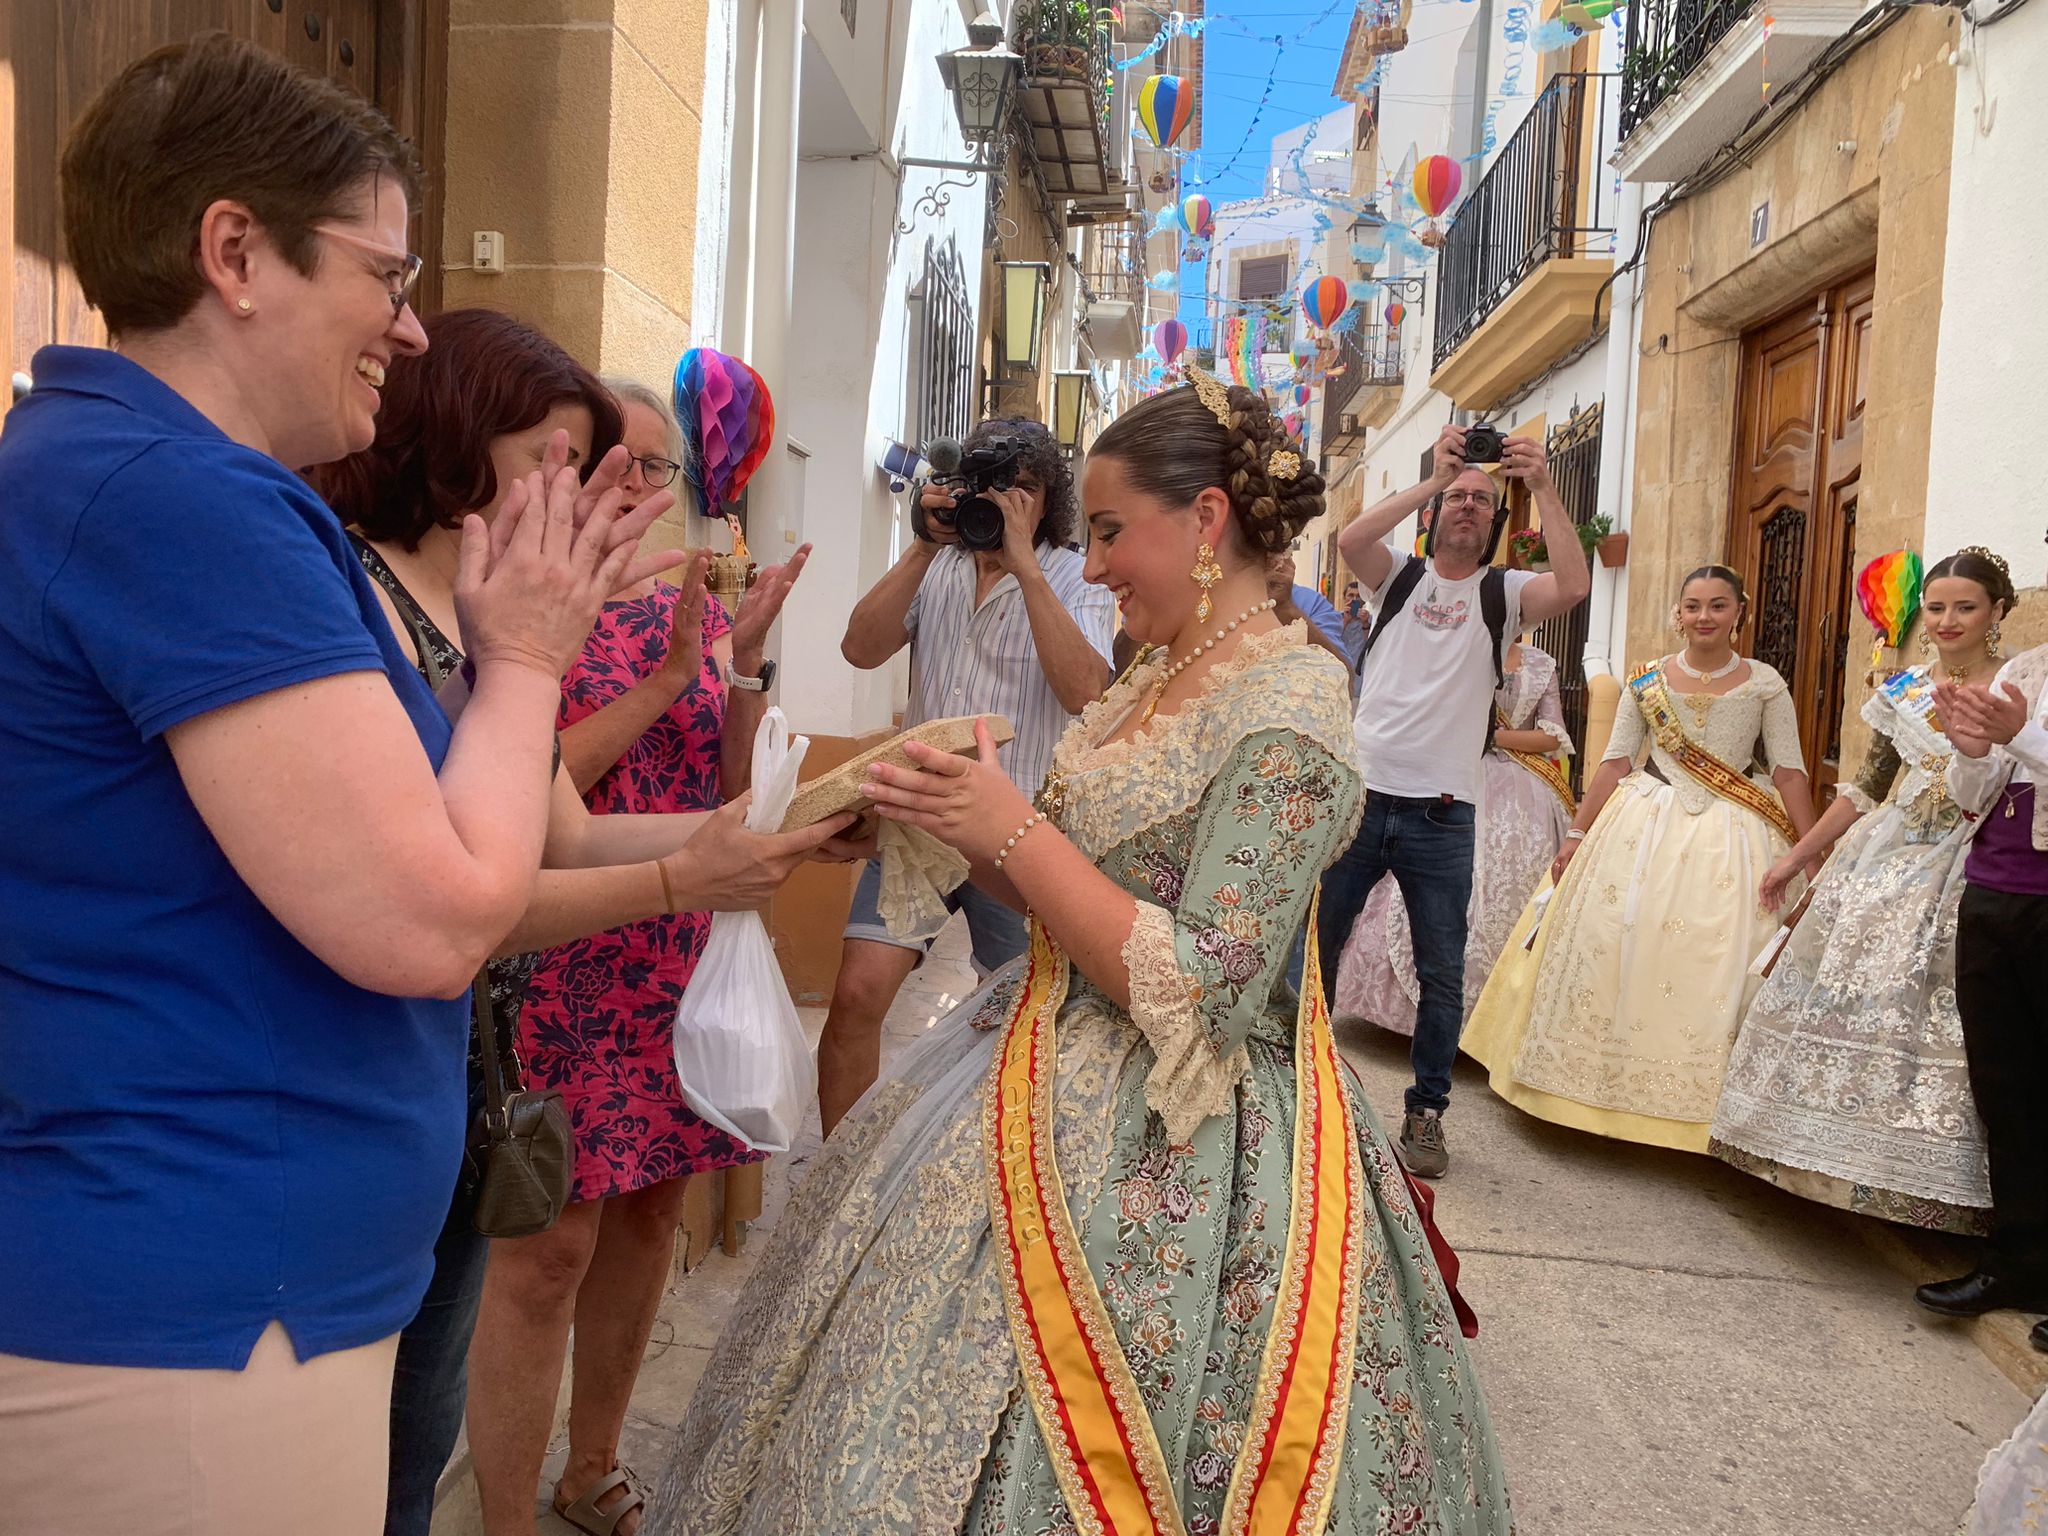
{"points": [[655, 471], [401, 281], [1471, 498]]}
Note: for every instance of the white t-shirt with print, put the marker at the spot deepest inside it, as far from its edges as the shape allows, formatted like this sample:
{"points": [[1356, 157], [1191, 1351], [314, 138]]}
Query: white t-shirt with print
{"points": [[1427, 693]]}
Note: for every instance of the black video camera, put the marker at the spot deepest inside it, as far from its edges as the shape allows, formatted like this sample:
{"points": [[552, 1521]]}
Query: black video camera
{"points": [[1484, 444], [970, 473]]}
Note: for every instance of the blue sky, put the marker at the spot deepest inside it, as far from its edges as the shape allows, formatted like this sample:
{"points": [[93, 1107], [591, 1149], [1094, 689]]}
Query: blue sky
{"points": [[1239, 56]]}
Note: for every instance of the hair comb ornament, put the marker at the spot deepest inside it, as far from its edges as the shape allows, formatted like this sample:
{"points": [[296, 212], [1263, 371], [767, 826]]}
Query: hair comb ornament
{"points": [[1283, 464], [1210, 391], [1984, 554]]}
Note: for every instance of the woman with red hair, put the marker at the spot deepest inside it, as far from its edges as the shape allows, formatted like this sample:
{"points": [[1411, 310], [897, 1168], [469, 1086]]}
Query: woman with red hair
{"points": [[460, 423]]}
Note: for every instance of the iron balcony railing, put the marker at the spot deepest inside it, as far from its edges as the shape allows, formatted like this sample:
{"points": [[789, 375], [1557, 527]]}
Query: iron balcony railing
{"points": [[1546, 195], [1665, 41], [1368, 357]]}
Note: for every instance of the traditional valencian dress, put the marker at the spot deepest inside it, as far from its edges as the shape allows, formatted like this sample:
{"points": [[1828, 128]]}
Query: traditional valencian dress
{"points": [[1525, 804], [1205, 1300], [1848, 1082], [1620, 1016]]}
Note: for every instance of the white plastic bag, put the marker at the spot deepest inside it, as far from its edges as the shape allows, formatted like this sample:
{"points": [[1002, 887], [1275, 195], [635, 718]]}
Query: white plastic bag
{"points": [[740, 1051]]}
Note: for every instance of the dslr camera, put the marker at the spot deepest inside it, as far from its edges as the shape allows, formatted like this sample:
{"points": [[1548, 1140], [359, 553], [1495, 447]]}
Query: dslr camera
{"points": [[1484, 444], [970, 474]]}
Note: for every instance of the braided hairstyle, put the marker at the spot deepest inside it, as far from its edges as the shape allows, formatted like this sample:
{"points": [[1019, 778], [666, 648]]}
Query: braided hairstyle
{"points": [[1173, 447]]}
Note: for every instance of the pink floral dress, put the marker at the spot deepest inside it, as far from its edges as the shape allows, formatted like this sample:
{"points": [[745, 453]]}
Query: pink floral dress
{"points": [[599, 1012]]}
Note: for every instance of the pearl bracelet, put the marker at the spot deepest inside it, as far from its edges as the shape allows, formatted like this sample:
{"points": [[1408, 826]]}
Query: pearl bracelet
{"points": [[1017, 837]]}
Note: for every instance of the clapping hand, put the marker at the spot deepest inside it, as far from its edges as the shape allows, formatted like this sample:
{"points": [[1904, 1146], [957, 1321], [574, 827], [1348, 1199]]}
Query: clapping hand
{"points": [[685, 659], [968, 804], [1977, 718], [759, 608]]}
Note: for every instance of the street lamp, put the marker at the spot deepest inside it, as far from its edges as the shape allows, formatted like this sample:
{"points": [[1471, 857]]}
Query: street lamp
{"points": [[1024, 284], [1073, 392], [979, 77]]}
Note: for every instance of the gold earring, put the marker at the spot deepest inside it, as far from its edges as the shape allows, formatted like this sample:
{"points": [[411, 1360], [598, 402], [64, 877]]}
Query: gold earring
{"points": [[1991, 638], [1927, 647], [246, 306], [1207, 574]]}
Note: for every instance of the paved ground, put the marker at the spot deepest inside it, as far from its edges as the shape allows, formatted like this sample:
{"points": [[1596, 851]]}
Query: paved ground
{"points": [[1667, 1345]]}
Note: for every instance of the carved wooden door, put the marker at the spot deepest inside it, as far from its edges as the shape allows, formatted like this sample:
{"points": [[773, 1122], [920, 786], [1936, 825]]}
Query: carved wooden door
{"points": [[1798, 467]]}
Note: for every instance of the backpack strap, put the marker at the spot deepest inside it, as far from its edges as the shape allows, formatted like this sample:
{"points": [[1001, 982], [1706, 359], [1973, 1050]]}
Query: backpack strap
{"points": [[1398, 592], [1493, 607]]}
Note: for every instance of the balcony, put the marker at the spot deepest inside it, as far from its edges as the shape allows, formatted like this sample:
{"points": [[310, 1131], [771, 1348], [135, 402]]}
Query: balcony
{"points": [[1361, 385], [1531, 248], [1694, 72], [1061, 97], [1115, 313]]}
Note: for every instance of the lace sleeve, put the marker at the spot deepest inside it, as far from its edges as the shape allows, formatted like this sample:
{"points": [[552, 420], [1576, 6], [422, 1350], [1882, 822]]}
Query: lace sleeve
{"points": [[1549, 717], [1200, 975], [1880, 772], [1781, 729], [1627, 738]]}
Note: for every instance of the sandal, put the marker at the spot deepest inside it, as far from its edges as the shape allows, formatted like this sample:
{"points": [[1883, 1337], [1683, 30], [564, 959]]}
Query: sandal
{"points": [[586, 1516]]}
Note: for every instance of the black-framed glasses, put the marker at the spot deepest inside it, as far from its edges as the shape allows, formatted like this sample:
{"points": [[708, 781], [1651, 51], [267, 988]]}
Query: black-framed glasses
{"points": [[405, 273], [657, 472], [1471, 498]]}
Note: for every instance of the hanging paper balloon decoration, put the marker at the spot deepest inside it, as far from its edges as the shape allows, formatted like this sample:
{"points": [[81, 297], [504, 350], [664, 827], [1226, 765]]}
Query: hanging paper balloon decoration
{"points": [[1588, 14], [728, 420], [1301, 394], [1166, 104], [1396, 313], [1169, 340], [1437, 180], [1197, 217], [1292, 422], [1325, 301], [1303, 351], [1889, 591]]}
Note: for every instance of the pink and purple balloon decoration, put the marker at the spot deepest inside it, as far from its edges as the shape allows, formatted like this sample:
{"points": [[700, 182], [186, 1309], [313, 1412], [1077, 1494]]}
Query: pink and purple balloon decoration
{"points": [[1169, 340], [728, 420]]}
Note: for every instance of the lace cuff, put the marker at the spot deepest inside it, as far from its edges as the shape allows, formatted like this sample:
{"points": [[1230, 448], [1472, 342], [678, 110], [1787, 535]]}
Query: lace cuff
{"points": [[918, 873], [1557, 733], [1189, 1081]]}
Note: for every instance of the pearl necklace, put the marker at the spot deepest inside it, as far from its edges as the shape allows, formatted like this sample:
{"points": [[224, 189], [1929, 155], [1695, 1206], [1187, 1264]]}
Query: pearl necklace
{"points": [[1707, 677], [1159, 688]]}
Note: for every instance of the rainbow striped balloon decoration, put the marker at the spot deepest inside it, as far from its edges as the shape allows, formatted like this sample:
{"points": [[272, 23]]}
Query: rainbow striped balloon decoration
{"points": [[1325, 301], [1166, 104], [1437, 179], [1197, 216], [1889, 591]]}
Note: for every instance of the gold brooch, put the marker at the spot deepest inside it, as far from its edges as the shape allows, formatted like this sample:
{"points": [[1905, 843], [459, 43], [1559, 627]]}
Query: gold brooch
{"points": [[1283, 464], [1210, 391]]}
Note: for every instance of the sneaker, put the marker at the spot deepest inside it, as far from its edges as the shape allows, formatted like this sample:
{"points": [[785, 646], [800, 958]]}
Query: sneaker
{"points": [[1422, 1144]]}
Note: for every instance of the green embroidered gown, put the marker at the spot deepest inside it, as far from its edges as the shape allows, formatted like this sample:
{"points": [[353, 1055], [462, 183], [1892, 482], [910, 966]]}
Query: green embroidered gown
{"points": [[868, 1382]]}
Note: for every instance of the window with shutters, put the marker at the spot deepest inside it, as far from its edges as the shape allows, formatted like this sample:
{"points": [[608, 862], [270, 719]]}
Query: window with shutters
{"points": [[942, 374]]}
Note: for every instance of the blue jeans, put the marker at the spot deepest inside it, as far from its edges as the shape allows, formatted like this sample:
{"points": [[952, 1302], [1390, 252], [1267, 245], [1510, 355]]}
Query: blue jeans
{"points": [[431, 1382], [1426, 845], [997, 931]]}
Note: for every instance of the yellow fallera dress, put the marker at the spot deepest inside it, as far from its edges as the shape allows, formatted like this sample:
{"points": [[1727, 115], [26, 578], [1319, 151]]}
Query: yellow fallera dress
{"points": [[1619, 1018]]}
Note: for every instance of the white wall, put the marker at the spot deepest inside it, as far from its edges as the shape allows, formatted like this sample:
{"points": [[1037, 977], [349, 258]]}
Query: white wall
{"points": [[1984, 470]]}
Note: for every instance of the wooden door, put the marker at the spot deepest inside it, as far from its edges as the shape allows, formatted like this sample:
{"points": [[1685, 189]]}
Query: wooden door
{"points": [[1798, 469], [388, 51]]}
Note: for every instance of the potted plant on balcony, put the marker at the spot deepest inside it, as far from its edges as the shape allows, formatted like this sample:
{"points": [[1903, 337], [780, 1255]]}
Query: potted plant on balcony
{"points": [[1057, 39], [1612, 547], [1526, 551]]}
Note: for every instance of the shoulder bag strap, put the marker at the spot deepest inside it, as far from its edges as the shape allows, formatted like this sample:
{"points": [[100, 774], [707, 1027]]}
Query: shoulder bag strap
{"points": [[1398, 590]]}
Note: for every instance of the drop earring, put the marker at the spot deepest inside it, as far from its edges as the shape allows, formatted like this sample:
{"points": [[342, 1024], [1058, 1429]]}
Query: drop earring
{"points": [[1991, 638], [1926, 646], [1207, 574]]}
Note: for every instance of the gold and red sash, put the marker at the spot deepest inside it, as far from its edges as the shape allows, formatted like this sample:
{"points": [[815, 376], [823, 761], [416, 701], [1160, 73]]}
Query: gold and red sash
{"points": [[1089, 1410], [1708, 770], [1545, 767]]}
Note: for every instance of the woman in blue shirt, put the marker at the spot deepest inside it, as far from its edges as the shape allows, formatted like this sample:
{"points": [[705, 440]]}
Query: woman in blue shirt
{"points": [[251, 867]]}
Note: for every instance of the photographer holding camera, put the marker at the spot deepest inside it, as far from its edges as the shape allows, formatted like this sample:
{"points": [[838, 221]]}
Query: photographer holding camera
{"points": [[1431, 661], [991, 599]]}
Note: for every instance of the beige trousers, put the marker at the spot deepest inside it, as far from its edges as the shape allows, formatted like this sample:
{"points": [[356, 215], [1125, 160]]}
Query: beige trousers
{"points": [[278, 1446]]}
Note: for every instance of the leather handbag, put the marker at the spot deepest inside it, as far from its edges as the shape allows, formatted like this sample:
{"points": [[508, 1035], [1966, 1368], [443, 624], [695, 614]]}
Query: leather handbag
{"points": [[521, 1152], [519, 1144]]}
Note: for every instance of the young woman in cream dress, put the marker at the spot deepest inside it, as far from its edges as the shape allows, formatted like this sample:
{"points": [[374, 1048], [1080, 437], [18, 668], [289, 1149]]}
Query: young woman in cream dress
{"points": [[1619, 1018]]}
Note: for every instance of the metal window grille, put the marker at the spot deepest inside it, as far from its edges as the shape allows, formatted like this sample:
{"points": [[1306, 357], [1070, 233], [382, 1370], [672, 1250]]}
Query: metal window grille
{"points": [[1574, 451], [1665, 42], [944, 403]]}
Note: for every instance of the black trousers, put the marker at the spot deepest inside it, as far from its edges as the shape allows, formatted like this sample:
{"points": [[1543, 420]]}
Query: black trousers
{"points": [[2002, 994]]}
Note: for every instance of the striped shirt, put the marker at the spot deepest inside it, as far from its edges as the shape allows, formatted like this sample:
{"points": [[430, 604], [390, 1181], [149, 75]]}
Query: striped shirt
{"points": [[981, 660]]}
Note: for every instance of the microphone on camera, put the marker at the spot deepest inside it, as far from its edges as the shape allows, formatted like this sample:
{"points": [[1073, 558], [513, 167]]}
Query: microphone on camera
{"points": [[944, 454]]}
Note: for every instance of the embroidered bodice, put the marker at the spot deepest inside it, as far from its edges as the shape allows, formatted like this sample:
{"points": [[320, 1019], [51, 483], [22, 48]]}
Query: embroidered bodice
{"points": [[1730, 725], [1909, 757], [1530, 699]]}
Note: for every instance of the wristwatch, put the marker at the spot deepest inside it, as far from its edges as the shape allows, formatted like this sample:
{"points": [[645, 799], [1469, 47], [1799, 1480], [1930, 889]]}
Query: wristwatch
{"points": [[746, 684]]}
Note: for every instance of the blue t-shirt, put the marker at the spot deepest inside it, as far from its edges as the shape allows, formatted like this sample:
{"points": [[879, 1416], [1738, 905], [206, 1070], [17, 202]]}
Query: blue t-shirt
{"points": [[1317, 609], [202, 1127]]}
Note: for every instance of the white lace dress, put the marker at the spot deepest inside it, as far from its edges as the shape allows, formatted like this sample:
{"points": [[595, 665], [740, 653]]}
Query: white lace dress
{"points": [[1848, 1082], [1519, 823]]}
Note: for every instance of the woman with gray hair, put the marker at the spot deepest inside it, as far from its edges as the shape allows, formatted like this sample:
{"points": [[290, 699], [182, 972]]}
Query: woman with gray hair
{"points": [[659, 714]]}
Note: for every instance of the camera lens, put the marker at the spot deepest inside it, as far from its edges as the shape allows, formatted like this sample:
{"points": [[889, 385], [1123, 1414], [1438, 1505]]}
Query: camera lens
{"points": [[979, 522]]}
